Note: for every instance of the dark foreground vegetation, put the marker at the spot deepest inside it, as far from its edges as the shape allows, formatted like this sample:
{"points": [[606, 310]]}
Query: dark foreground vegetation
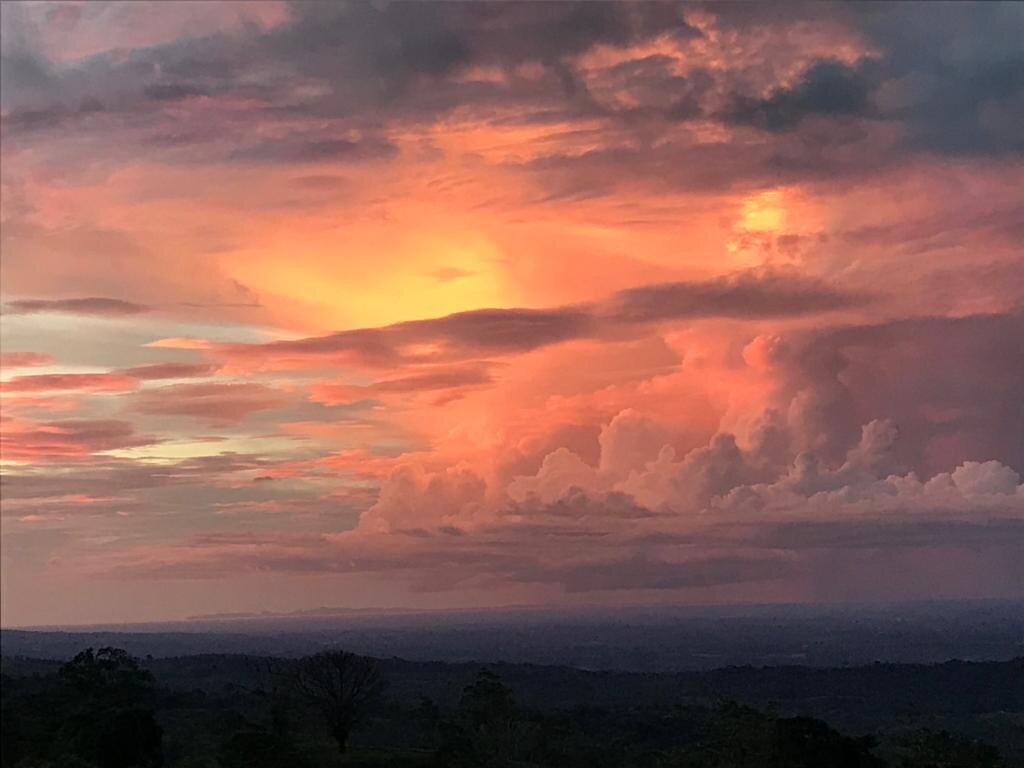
{"points": [[106, 709]]}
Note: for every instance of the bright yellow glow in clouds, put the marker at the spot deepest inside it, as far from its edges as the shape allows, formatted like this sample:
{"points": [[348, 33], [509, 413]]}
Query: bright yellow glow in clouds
{"points": [[764, 212], [371, 274]]}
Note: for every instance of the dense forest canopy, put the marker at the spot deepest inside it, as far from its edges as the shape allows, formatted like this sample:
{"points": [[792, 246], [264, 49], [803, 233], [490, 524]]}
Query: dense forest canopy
{"points": [[107, 709]]}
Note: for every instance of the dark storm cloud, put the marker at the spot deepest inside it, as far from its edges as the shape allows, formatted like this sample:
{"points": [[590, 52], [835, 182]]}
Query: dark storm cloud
{"points": [[316, 150], [474, 332], [31, 120], [397, 42], [954, 385], [829, 88], [508, 331], [392, 43], [172, 91], [827, 151], [452, 380], [746, 295], [950, 75], [953, 73], [93, 305], [361, 61], [443, 379], [948, 78], [980, 114]]}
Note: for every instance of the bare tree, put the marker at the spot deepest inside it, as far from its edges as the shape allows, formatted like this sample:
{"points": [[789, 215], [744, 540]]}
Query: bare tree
{"points": [[342, 686]]}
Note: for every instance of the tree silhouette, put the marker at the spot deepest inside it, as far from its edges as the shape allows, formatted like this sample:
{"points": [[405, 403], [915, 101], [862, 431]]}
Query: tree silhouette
{"points": [[491, 729], [803, 742], [738, 736], [109, 674], [110, 720], [927, 749], [487, 700], [342, 686]]}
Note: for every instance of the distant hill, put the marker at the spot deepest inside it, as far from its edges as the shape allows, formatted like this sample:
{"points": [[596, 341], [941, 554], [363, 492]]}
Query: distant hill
{"points": [[626, 639]]}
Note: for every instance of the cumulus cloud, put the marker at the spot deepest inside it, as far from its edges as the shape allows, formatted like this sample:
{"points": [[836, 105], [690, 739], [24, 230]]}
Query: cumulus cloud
{"points": [[788, 467], [412, 496], [568, 526], [637, 512], [952, 384], [809, 455], [762, 513], [629, 442], [615, 417], [720, 515], [989, 477], [722, 478], [560, 473]]}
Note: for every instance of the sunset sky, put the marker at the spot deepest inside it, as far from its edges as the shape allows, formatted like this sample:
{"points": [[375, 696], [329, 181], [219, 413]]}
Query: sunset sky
{"points": [[448, 305]]}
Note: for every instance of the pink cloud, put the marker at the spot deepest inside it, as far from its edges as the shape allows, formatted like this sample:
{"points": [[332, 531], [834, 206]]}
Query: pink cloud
{"points": [[93, 382], [215, 402], [169, 371], [67, 439], [453, 380], [590, 298], [24, 359]]}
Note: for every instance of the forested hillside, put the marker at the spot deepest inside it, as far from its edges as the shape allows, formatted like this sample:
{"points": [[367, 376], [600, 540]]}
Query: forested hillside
{"points": [[107, 709]]}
